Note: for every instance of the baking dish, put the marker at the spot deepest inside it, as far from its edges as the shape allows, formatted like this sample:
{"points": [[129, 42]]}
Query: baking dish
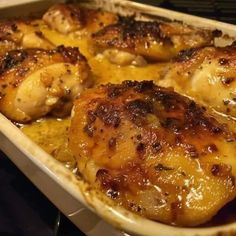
{"points": [[72, 196]]}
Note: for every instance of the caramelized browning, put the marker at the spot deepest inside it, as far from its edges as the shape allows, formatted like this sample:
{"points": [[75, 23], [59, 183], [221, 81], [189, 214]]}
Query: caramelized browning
{"points": [[154, 151], [35, 82], [152, 40], [208, 75]]}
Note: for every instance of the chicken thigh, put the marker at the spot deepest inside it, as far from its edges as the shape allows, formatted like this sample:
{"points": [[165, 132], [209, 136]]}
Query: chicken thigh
{"points": [[67, 18], [17, 34], [153, 151], [36, 82], [154, 41], [208, 75]]}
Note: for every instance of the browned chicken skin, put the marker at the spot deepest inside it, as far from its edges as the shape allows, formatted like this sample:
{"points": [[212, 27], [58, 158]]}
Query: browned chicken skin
{"points": [[17, 34], [35, 82], [208, 75], [152, 40], [67, 18], [154, 152]]}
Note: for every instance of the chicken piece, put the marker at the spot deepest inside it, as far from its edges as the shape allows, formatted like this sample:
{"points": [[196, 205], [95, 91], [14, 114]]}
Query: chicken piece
{"points": [[154, 152], [207, 75], [67, 18], [154, 41], [72, 25], [21, 34], [35, 82]]}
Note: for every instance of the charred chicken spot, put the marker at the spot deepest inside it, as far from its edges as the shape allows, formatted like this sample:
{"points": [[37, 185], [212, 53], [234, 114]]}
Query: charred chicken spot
{"points": [[104, 177], [178, 139], [226, 102], [71, 54], [140, 148], [172, 123], [108, 182], [138, 109], [22, 71], [170, 101], [91, 117], [109, 114], [112, 143], [14, 27], [134, 207], [12, 59], [39, 34], [112, 193], [140, 87], [221, 170], [191, 151], [233, 44], [139, 137], [161, 167], [76, 13], [144, 86], [216, 130], [185, 55], [227, 81], [4, 86], [176, 209], [114, 91], [183, 173], [223, 61], [194, 115], [216, 33], [156, 147], [231, 138], [129, 84], [89, 129], [211, 148]]}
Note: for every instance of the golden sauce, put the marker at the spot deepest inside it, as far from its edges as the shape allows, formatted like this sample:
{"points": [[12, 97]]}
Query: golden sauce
{"points": [[107, 72], [51, 135]]}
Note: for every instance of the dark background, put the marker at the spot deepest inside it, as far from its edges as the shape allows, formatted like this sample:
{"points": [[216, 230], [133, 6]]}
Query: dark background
{"points": [[222, 10], [24, 211]]}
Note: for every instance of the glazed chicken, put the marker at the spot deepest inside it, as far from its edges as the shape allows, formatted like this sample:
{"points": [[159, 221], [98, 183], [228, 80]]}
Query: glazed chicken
{"points": [[67, 18], [153, 151], [208, 75], [36, 82], [128, 39], [21, 34]]}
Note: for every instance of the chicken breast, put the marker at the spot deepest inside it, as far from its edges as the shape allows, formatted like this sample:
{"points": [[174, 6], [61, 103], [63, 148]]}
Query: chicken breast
{"points": [[35, 82], [154, 41], [67, 18], [17, 34], [153, 151], [208, 75]]}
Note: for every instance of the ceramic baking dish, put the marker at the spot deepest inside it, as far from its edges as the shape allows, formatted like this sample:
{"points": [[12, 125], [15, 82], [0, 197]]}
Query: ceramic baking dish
{"points": [[93, 213]]}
